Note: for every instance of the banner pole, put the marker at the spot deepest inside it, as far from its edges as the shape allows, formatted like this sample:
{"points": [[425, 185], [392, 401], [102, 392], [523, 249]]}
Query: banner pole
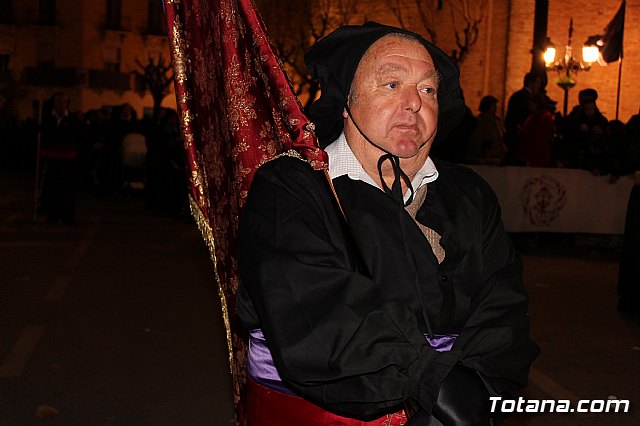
{"points": [[619, 80], [36, 192]]}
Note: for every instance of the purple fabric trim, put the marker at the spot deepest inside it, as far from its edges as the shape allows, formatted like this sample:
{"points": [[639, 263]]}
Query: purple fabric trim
{"points": [[261, 367], [263, 370], [441, 342]]}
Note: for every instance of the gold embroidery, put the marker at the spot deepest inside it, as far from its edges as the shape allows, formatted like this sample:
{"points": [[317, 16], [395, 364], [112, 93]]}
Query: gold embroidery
{"points": [[178, 53], [395, 419], [229, 16], [186, 117], [188, 140], [241, 102], [197, 182], [290, 153], [243, 146]]}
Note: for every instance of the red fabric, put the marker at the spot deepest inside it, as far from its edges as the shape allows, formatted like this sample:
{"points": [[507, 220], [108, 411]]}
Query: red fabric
{"points": [[534, 148], [237, 110], [59, 154], [267, 407]]}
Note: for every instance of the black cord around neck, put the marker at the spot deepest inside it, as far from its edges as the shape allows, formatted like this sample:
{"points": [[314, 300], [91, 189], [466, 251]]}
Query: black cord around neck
{"points": [[395, 192]]}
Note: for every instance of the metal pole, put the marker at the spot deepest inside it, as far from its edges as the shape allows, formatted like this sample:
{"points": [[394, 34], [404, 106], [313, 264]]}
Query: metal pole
{"points": [[619, 80], [36, 192], [539, 39], [568, 59]]}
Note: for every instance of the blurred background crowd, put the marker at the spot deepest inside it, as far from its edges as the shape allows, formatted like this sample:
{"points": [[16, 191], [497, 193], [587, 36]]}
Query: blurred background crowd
{"points": [[107, 152], [535, 134], [113, 152]]}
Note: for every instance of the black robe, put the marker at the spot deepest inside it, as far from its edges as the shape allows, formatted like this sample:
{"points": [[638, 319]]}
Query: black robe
{"points": [[351, 339]]}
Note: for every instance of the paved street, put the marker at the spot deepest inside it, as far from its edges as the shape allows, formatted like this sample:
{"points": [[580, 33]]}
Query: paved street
{"points": [[589, 350], [115, 321]]}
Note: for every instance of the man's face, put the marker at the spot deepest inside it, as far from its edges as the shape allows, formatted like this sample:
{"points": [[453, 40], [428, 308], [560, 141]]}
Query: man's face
{"points": [[536, 85], [394, 98], [589, 109]]}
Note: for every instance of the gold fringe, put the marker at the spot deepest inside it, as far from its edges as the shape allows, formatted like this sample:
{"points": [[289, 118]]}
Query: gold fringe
{"points": [[290, 153], [207, 234]]}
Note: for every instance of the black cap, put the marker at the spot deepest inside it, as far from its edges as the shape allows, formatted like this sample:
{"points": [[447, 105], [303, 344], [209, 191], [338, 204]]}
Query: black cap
{"points": [[587, 95], [333, 60]]}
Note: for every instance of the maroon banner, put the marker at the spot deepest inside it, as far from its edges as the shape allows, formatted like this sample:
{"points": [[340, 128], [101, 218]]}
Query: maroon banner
{"points": [[612, 38], [237, 110]]}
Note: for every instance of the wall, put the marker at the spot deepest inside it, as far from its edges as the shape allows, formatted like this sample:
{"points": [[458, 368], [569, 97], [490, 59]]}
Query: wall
{"points": [[501, 57], [79, 41], [496, 65], [589, 18]]}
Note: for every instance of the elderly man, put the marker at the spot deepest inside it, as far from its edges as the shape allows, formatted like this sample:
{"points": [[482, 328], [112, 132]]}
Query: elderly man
{"points": [[393, 285]]}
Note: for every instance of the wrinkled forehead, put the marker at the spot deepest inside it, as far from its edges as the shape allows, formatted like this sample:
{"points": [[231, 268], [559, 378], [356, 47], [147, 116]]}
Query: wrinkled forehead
{"points": [[390, 55], [395, 44]]}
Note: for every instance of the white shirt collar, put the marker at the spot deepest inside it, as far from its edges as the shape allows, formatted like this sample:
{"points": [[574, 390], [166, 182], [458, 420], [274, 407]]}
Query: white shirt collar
{"points": [[342, 162]]}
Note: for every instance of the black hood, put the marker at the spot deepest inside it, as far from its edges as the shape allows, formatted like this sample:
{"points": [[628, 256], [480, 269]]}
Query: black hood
{"points": [[333, 60]]}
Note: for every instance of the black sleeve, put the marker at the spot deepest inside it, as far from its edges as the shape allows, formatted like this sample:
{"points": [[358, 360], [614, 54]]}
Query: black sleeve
{"points": [[495, 340], [333, 338]]}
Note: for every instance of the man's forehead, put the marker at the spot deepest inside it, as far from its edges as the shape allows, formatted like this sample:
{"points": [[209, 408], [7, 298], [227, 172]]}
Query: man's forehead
{"points": [[397, 68], [396, 46], [390, 68]]}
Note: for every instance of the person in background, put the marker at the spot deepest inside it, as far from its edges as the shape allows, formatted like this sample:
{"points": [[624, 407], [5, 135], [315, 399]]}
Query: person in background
{"points": [[60, 138], [629, 271], [485, 144], [587, 130], [536, 135], [632, 136], [518, 109]]}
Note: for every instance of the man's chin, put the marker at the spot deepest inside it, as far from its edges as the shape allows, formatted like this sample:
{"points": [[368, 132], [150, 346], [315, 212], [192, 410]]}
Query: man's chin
{"points": [[409, 149]]}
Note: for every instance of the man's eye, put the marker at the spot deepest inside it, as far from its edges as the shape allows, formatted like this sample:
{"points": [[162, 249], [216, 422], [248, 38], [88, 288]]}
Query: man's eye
{"points": [[392, 85], [429, 90]]}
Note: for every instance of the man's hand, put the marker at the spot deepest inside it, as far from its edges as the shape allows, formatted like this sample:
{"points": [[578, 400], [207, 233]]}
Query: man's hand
{"points": [[463, 400], [421, 418]]}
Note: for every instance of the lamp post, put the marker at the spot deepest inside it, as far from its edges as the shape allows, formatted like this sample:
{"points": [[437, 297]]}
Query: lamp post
{"points": [[568, 67]]}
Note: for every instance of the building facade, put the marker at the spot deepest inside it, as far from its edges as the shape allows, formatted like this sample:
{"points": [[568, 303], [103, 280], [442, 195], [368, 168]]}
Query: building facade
{"points": [[502, 54], [88, 49]]}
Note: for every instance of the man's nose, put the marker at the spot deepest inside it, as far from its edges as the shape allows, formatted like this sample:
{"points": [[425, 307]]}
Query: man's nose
{"points": [[411, 99]]}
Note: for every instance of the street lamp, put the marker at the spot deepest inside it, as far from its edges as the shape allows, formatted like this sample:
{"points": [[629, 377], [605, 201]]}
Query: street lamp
{"points": [[568, 67]]}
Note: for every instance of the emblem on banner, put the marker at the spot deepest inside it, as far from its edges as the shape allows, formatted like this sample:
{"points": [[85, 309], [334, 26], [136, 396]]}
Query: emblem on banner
{"points": [[542, 199]]}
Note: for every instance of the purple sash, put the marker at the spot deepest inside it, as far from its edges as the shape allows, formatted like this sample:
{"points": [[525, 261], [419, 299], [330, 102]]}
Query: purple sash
{"points": [[264, 372]]}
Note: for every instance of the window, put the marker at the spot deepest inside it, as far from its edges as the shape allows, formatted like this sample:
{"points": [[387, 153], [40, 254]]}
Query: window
{"points": [[4, 66], [47, 12], [111, 57], [45, 54], [4, 62], [140, 84], [113, 19], [156, 23], [6, 11]]}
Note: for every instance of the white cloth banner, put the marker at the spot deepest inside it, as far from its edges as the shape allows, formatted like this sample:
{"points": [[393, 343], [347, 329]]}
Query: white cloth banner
{"points": [[558, 200]]}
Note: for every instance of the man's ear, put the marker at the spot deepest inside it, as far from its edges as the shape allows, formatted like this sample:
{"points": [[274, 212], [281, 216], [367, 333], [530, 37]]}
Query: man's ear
{"points": [[345, 114]]}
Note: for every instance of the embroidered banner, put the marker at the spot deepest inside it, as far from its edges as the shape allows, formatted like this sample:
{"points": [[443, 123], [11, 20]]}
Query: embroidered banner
{"points": [[558, 200], [237, 110]]}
